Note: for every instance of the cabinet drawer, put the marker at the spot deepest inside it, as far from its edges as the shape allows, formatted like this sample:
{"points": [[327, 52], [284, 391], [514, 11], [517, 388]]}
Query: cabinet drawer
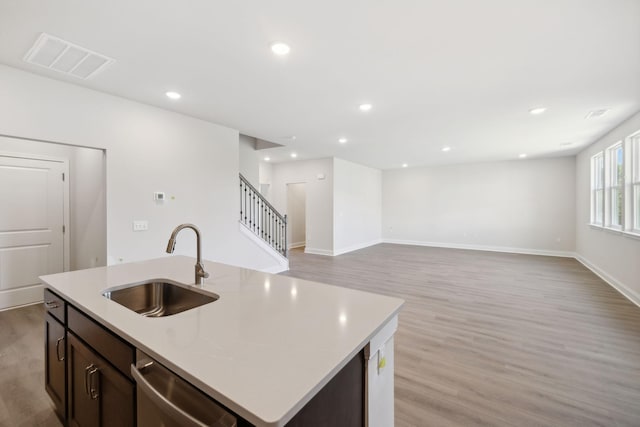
{"points": [[54, 305], [111, 347]]}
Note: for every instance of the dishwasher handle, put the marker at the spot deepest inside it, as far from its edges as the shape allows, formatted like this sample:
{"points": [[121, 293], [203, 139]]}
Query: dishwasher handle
{"points": [[178, 414]]}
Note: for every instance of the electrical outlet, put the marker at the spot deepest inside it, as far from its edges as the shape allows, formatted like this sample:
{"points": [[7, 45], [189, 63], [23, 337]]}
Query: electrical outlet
{"points": [[140, 225]]}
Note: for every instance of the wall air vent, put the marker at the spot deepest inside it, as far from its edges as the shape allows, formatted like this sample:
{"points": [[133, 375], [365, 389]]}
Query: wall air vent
{"points": [[68, 58], [596, 113]]}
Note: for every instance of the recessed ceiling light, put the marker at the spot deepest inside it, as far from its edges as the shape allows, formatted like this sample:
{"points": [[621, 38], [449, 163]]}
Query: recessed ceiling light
{"points": [[365, 107], [523, 155], [404, 165], [342, 140], [173, 95], [266, 159], [537, 110], [280, 48], [445, 149], [294, 155]]}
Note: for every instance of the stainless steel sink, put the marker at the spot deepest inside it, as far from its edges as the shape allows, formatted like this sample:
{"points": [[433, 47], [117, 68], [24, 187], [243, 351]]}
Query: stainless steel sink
{"points": [[159, 298]]}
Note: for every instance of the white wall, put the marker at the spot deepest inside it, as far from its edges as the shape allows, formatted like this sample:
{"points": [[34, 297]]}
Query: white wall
{"points": [[265, 172], [357, 206], [148, 149], [614, 256], [88, 208], [249, 159], [296, 211], [521, 206], [87, 204], [319, 236]]}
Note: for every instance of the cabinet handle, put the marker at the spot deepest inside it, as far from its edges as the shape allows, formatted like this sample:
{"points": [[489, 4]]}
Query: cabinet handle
{"points": [[59, 340], [93, 388], [86, 378], [51, 304]]}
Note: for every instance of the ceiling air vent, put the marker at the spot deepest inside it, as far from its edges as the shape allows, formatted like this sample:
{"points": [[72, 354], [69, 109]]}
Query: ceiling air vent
{"points": [[68, 58], [596, 113]]}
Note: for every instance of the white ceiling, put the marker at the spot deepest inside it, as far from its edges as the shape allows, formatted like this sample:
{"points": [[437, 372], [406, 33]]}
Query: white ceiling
{"points": [[460, 73]]}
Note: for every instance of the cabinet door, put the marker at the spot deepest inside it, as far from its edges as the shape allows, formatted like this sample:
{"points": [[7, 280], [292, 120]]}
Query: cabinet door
{"points": [[98, 394], [54, 356]]}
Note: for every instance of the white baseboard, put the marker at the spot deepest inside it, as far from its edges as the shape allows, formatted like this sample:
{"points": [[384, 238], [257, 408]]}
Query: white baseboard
{"points": [[525, 251], [13, 298], [315, 251], [356, 247], [630, 294], [296, 245]]}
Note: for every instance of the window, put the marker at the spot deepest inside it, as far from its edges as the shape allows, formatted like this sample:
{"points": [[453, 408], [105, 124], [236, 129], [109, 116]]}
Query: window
{"points": [[615, 186], [634, 196], [597, 189]]}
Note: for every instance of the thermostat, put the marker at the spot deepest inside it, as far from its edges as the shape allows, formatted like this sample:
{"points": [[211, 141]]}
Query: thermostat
{"points": [[158, 195]]}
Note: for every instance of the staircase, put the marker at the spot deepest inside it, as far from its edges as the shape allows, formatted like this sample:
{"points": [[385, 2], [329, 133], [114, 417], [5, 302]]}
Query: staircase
{"points": [[257, 215]]}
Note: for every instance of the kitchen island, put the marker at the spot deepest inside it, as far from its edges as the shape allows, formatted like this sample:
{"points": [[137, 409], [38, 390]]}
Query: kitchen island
{"points": [[263, 350]]}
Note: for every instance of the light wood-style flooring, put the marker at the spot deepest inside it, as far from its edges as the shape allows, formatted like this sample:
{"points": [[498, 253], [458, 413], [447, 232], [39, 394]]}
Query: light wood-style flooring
{"points": [[485, 339], [23, 401], [495, 339]]}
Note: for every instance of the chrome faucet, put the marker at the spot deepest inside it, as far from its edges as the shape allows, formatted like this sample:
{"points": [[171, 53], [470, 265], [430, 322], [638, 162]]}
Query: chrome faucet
{"points": [[200, 273]]}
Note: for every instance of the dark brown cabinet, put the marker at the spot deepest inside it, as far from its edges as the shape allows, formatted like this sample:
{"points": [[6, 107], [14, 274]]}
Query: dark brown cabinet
{"points": [[55, 364], [88, 377], [99, 395], [86, 369]]}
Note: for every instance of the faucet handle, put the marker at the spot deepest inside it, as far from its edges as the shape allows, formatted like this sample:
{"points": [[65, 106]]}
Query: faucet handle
{"points": [[205, 274]]}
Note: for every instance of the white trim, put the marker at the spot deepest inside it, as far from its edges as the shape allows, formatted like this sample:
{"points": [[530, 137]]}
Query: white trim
{"points": [[21, 305], [315, 251], [356, 247], [66, 236], [630, 294], [623, 233], [326, 252], [631, 234], [526, 251], [282, 262], [19, 297], [296, 245]]}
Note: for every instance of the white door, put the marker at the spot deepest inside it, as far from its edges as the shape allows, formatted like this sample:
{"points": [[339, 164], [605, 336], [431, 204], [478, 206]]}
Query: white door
{"points": [[31, 226]]}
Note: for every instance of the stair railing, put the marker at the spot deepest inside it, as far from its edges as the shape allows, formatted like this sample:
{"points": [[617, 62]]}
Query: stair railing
{"points": [[257, 214]]}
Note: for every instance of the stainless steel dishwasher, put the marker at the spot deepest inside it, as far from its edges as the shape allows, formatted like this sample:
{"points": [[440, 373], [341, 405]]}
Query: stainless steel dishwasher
{"points": [[164, 399]]}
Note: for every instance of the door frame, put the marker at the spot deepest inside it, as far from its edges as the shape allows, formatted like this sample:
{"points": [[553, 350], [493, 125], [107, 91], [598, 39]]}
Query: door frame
{"points": [[306, 202], [66, 248]]}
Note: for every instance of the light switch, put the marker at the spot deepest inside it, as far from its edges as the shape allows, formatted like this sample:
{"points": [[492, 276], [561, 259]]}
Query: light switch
{"points": [[140, 225]]}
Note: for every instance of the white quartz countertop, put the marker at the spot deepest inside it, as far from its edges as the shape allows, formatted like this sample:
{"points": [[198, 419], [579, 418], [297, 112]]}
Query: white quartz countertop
{"points": [[264, 349]]}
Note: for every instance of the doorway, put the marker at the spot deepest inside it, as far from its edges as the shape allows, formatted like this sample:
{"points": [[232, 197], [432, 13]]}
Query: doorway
{"points": [[296, 215], [33, 224], [38, 234]]}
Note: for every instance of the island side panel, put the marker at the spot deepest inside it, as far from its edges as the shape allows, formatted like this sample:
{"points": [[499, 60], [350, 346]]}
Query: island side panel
{"points": [[340, 403]]}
